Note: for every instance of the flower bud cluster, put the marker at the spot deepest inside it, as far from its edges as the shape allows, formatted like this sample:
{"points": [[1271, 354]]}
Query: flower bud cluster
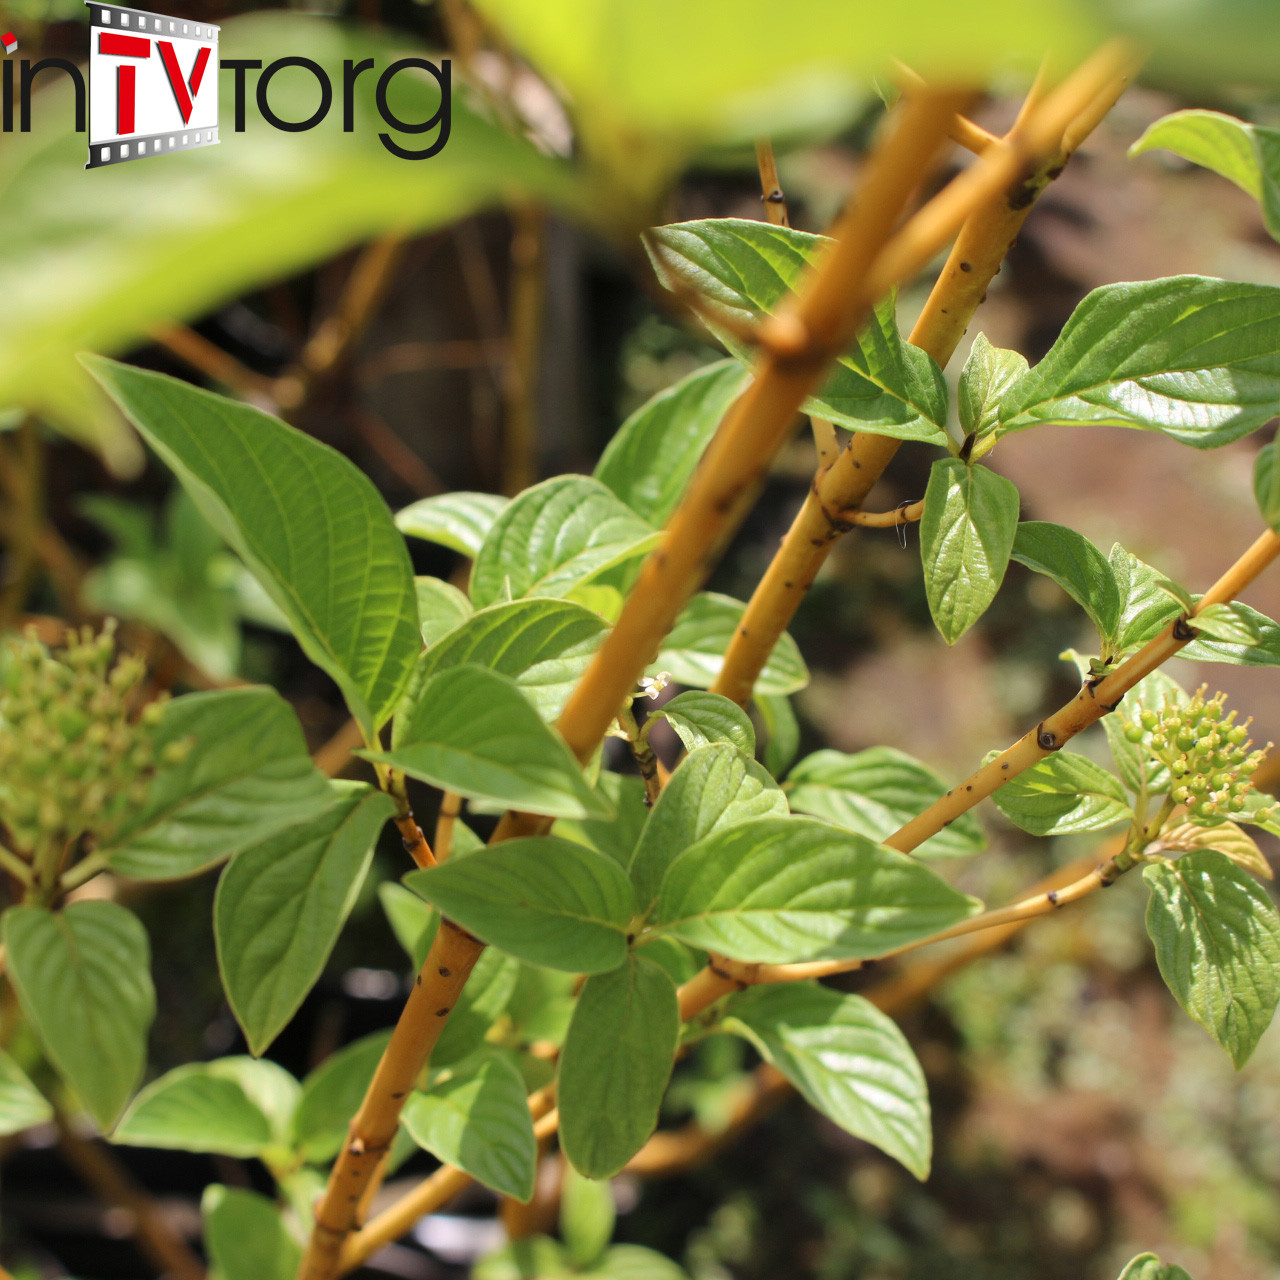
{"points": [[1207, 753], [73, 759]]}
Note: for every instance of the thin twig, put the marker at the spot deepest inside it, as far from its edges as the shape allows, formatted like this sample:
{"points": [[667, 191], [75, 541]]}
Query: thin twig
{"points": [[155, 1235], [329, 346], [907, 513], [216, 364], [446, 821], [775, 202]]}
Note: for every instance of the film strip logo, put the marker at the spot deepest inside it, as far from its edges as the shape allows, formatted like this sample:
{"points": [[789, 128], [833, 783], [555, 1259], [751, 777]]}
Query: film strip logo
{"points": [[153, 84]]}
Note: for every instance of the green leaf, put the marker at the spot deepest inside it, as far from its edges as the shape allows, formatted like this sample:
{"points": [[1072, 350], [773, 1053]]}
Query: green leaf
{"points": [[538, 1256], [1076, 565], [745, 269], [413, 921], [83, 978], [280, 907], [98, 261], [272, 1089], [198, 1107], [1146, 609], [782, 889], [482, 1002], [733, 76], [1227, 622], [1228, 839], [635, 1262], [587, 1217], [1193, 357], [1263, 651], [1217, 940], [460, 521], [1242, 153], [847, 1059], [693, 652], [543, 645], [311, 527], [615, 836], [650, 459], [555, 536], [782, 731], [715, 787], [246, 776], [441, 608], [1138, 769], [987, 375], [477, 1118], [472, 731], [246, 1237], [966, 535], [1266, 484], [22, 1105], [332, 1094], [876, 791], [179, 582], [615, 1065], [701, 718], [541, 899], [1063, 793], [1146, 1266]]}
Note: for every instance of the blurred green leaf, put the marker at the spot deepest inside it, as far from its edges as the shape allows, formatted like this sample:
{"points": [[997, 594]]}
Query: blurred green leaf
{"points": [[98, 259], [652, 80], [441, 608], [332, 1094], [587, 1216], [1245, 154], [246, 1237], [196, 1107], [22, 1105], [83, 978]]}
